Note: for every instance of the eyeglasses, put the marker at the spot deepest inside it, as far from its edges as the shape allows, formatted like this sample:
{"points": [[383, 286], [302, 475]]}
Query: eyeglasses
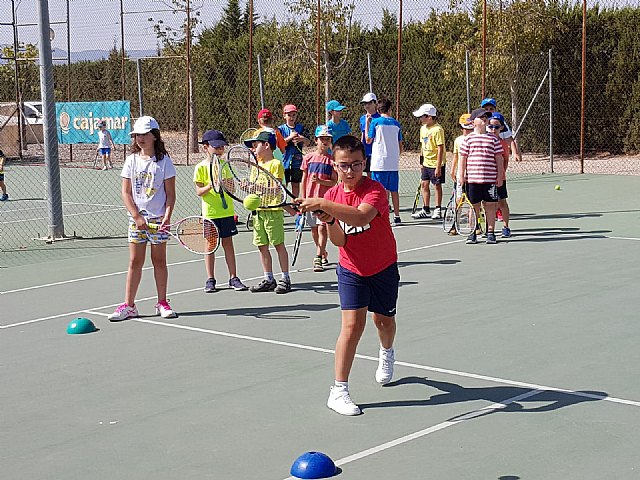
{"points": [[493, 126], [355, 167]]}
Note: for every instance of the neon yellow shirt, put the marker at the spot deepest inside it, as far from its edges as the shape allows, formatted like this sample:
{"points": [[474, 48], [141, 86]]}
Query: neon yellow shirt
{"points": [[430, 138], [211, 201], [275, 168]]}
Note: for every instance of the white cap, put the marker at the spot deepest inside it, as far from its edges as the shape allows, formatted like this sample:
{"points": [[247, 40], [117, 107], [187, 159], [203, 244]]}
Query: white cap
{"points": [[426, 109], [369, 97], [144, 125]]}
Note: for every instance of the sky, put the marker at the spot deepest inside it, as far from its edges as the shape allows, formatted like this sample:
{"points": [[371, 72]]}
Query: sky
{"points": [[95, 24]]}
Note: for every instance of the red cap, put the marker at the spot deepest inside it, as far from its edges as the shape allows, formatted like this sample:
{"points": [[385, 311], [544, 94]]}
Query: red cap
{"points": [[289, 108], [265, 113]]}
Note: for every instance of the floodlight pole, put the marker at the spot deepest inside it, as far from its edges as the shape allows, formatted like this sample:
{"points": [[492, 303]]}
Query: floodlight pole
{"points": [[54, 192], [16, 71], [399, 61]]}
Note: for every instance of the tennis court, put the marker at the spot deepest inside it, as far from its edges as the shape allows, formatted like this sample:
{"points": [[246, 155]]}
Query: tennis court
{"points": [[514, 361]]}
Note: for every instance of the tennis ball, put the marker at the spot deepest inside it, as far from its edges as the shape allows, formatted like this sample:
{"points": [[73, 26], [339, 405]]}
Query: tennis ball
{"points": [[557, 187], [251, 202]]}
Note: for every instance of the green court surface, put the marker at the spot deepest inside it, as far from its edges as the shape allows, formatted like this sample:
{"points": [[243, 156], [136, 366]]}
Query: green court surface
{"points": [[514, 361]]}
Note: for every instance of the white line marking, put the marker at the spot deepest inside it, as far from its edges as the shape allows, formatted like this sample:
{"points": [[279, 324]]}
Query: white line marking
{"points": [[123, 272], [427, 431], [503, 381]]}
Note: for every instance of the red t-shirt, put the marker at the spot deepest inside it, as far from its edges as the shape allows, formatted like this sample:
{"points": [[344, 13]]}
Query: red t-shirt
{"points": [[372, 248]]}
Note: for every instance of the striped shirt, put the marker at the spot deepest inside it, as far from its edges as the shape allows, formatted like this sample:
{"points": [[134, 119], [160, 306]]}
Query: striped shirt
{"points": [[481, 150]]}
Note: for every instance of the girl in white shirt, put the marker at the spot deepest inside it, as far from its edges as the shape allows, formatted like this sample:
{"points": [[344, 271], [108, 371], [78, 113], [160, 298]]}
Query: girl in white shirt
{"points": [[149, 194]]}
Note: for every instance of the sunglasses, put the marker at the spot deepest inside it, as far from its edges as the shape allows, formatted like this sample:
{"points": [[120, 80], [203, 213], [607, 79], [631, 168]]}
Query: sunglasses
{"points": [[355, 167], [493, 127]]}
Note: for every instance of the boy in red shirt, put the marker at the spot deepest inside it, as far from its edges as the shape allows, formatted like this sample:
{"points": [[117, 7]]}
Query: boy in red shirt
{"points": [[356, 211]]}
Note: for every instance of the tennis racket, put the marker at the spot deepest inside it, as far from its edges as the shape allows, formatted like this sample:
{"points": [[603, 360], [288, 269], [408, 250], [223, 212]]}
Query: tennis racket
{"points": [[248, 134], [449, 217], [416, 200], [298, 241], [466, 219], [247, 178], [215, 174], [197, 234]]}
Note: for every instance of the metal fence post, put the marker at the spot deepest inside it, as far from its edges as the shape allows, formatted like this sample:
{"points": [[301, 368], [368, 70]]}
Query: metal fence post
{"points": [[551, 110]]}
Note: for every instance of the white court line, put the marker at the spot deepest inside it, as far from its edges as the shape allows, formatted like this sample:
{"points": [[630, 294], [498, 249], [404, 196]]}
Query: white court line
{"points": [[417, 366], [82, 279], [435, 428]]}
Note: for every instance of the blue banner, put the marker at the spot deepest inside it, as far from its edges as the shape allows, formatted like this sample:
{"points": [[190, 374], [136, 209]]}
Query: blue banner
{"points": [[78, 121]]}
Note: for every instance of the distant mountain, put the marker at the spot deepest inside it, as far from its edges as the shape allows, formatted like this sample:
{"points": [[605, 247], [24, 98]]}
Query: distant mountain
{"points": [[60, 56]]}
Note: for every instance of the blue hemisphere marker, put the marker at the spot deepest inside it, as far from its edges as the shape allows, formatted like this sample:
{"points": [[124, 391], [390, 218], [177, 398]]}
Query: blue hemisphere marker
{"points": [[313, 465]]}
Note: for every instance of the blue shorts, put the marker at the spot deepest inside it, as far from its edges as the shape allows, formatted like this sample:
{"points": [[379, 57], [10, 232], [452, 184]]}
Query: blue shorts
{"points": [[105, 151], [378, 292], [226, 226], [389, 180]]}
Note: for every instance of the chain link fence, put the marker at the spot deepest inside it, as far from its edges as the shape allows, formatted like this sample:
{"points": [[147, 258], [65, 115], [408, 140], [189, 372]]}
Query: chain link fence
{"points": [[236, 58]]}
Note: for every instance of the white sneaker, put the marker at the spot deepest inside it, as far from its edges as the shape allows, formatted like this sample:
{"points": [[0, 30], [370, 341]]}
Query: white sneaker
{"points": [[437, 213], [123, 312], [164, 310], [339, 401], [384, 373], [422, 213]]}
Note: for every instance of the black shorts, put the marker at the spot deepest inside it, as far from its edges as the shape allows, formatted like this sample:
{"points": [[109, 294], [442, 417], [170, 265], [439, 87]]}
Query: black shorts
{"points": [[292, 175], [367, 165], [429, 174], [1, 177], [482, 192], [502, 191], [226, 226]]}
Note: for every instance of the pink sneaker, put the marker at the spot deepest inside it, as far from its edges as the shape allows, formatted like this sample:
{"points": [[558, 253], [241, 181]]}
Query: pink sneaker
{"points": [[164, 310], [499, 215], [123, 312]]}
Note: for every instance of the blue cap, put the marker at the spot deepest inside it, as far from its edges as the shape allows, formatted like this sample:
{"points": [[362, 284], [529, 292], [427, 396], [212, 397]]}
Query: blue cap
{"points": [[489, 101], [214, 138], [498, 116], [323, 131], [334, 105]]}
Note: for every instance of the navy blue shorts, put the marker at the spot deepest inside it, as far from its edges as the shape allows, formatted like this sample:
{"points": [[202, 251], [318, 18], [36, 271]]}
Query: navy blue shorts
{"points": [[226, 226], [378, 292]]}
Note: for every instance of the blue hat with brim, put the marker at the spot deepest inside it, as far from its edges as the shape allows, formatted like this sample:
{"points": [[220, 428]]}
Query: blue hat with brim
{"points": [[335, 105], [214, 138], [488, 101]]}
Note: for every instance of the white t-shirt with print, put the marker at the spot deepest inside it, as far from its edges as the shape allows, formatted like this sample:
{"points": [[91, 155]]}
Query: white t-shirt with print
{"points": [[147, 182]]}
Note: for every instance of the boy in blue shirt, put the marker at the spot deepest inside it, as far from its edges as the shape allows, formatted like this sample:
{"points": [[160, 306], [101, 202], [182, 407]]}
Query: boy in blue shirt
{"points": [[296, 137], [337, 126], [370, 104]]}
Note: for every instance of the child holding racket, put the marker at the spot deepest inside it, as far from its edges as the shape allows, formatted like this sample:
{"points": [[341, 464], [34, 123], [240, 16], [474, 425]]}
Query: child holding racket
{"points": [[149, 194], [268, 224], [295, 135], [318, 176], [213, 143], [497, 125], [356, 211]]}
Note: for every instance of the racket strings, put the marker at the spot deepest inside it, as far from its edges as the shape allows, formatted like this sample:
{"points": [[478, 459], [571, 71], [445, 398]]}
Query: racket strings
{"points": [[250, 180], [198, 235]]}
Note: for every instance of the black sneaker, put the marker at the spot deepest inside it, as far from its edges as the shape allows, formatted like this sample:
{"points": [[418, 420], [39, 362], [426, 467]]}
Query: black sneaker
{"points": [[473, 238], [210, 286], [284, 286], [264, 286]]}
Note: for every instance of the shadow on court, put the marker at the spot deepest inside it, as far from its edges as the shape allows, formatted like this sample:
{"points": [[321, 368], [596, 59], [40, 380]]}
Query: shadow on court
{"points": [[275, 312], [555, 236], [332, 287], [454, 393], [429, 262]]}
